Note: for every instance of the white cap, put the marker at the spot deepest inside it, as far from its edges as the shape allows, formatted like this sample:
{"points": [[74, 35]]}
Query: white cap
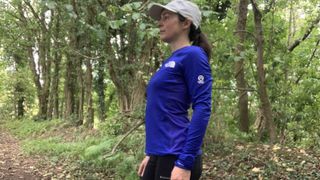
{"points": [[186, 8]]}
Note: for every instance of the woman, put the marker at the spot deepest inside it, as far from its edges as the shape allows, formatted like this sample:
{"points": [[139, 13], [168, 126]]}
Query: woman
{"points": [[173, 142]]}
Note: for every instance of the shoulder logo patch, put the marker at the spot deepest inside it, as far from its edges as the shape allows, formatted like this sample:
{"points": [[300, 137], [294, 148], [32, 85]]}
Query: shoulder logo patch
{"points": [[170, 64], [200, 79]]}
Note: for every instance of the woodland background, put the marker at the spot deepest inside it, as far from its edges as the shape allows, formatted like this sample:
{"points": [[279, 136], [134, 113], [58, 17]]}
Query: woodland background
{"points": [[73, 76]]}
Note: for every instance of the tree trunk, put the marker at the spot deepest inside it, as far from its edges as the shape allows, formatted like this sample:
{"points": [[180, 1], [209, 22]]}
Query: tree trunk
{"points": [[19, 89], [262, 89], [129, 62], [69, 91], [80, 91], [89, 118], [70, 87], [73, 71], [239, 67], [129, 84], [40, 68], [100, 89], [110, 99], [53, 110]]}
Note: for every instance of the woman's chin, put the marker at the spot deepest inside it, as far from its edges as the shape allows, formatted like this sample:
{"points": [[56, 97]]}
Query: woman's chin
{"points": [[164, 39]]}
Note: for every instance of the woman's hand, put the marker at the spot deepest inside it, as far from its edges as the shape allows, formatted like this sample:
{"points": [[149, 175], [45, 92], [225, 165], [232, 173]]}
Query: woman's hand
{"points": [[143, 165], [180, 174]]}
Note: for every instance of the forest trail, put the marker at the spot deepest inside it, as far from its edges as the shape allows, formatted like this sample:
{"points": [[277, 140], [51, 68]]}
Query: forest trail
{"points": [[233, 160], [13, 163]]}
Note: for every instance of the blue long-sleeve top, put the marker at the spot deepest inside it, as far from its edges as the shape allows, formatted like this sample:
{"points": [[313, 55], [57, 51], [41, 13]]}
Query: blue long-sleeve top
{"points": [[182, 79]]}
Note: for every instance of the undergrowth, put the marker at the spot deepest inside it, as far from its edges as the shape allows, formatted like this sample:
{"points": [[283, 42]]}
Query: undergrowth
{"points": [[86, 153], [84, 149]]}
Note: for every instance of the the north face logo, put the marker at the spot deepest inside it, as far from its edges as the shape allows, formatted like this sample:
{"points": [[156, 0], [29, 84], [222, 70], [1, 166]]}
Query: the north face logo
{"points": [[170, 64]]}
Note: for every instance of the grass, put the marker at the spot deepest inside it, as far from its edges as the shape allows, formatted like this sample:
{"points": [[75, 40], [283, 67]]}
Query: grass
{"points": [[82, 148], [82, 152], [28, 128]]}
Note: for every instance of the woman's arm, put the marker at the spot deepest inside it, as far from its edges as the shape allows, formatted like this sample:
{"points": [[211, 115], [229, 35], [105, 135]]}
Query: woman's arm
{"points": [[198, 78]]}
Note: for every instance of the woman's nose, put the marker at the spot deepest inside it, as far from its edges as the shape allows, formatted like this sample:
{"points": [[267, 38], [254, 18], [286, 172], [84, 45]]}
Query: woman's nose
{"points": [[160, 23]]}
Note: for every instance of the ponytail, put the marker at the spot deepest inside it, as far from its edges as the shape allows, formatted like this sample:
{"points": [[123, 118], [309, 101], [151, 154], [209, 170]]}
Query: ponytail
{"points": [[198, 38]]}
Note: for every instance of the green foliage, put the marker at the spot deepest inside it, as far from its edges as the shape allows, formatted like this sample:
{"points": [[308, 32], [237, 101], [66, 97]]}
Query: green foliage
{"points": [[123, 163], [57, 140], [28, 128], [54, 147], [96, 150], [119, 34]]}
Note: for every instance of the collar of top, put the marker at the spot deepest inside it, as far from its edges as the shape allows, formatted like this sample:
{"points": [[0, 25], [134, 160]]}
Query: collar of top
{"points": [[186, 8]]}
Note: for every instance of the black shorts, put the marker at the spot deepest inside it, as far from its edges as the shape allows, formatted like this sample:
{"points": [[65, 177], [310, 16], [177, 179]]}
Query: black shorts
{"points": [[160, 167]]}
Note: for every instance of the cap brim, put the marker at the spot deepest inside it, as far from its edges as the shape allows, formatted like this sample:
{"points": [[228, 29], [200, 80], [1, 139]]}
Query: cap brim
{"points": [[155, 10]]}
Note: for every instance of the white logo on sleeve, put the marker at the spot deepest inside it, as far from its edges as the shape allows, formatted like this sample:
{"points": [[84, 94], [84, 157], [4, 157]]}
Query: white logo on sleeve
{"points": [[200, 79], [170, 64]]}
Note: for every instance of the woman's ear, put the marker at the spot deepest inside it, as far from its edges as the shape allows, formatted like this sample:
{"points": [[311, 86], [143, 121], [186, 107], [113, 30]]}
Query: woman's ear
{"points": [[186, 24]]}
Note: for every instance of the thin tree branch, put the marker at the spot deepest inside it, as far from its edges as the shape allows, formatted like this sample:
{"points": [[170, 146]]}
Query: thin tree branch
{"points": [[144, 5], [309, 62], [85, 56], [41, 22], [126, 135], [306, 34], [269, 6], [234, 89], [248, 32], [13, 15]]}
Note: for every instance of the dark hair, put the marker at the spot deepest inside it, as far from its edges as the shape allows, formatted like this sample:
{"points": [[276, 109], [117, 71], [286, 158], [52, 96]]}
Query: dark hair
{"points": [[198, 38]]}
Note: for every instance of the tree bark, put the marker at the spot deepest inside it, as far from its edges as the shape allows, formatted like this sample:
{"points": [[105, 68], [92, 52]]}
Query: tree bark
{"points": [[69, 91], [90, 113], [73, 78], [239, 67], [100, 89], [19, 89], [53, 110], [89, 120], [70, 77], [262, 89]]}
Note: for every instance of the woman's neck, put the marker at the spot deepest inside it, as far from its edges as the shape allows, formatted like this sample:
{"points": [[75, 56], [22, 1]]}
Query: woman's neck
{"points": [[179, 44]]}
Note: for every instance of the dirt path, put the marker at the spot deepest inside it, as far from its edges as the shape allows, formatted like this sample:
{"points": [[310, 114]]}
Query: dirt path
{"points": [[13, 163]]}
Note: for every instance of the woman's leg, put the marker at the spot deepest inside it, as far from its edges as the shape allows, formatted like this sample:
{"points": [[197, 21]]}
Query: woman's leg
{"points": [[165, 165], [197, 168], [150, 169]]}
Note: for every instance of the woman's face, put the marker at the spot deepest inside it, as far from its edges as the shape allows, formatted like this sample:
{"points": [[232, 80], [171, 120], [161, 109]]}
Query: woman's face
{"points": [[170, 26]]}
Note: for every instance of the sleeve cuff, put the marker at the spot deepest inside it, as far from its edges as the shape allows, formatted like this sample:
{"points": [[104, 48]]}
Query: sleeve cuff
{"points": [[180, 165], [185, 162]]}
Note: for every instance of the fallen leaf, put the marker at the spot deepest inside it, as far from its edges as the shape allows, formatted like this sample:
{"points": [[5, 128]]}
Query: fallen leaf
{"points": [[255, 169], [239, 147], [276, 147], [290, 170], [275, 159]]}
